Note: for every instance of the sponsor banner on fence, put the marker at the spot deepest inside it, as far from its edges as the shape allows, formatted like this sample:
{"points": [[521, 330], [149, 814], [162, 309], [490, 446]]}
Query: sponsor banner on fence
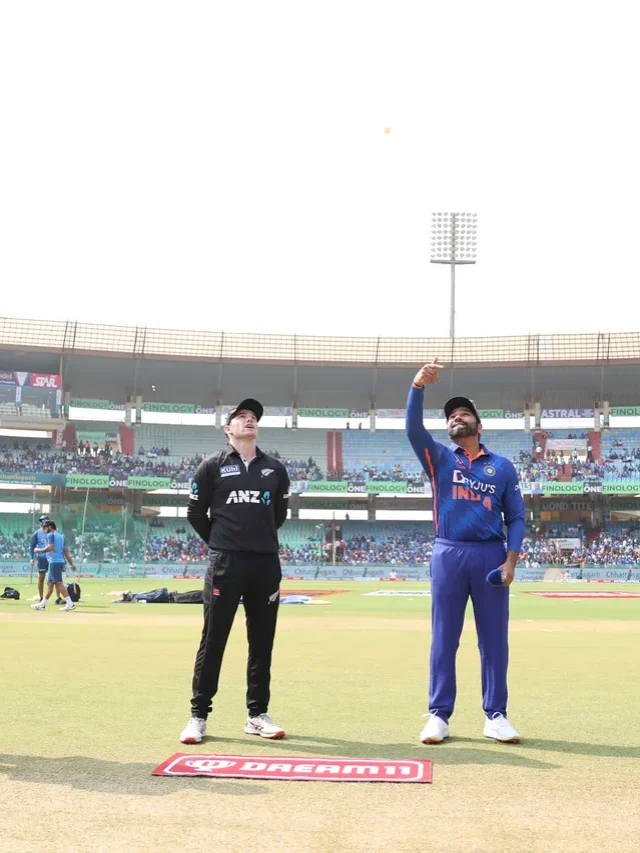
{"points": [[592, 488], [566, 544], [332, 503], [33, 479], [205, 410], [166, 500], [631, 487], [566, 444], [399, 414], [87, 481], [179, 408], [419, 489], [358, 414], [567, 413], [149, 483], [489, 414], [551, 505], [117, 483], [625, 411], [183, 485], [300, 768], [45, 380], [510, 415], [375, 487], [92, 437], [327, 486], [324, 413], [89, 403], [563, 488], [30, 380], [631, 503], [278, 411]]}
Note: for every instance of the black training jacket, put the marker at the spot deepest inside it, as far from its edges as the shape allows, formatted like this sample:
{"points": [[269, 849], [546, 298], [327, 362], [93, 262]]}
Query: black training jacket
{"points": [[235, 509]]}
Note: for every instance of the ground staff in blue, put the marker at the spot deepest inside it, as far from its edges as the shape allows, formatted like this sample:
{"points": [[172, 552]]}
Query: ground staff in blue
{"points": [[475, 494]]}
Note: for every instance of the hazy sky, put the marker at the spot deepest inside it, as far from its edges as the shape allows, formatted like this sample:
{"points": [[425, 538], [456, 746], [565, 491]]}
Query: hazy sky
{"points": [[224, 165]]}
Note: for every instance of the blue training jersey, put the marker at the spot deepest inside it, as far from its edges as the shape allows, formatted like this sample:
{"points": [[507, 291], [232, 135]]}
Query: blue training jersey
{"points": [[57, 540], [470, 496], [38, 540]]}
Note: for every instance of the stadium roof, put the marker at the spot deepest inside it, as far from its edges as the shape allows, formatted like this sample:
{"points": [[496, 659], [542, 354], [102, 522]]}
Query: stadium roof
{"points": [[199, 367], [73, 338]]}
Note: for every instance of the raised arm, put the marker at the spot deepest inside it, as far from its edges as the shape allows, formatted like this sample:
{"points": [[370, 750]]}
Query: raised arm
{"points": [[426, 448]]}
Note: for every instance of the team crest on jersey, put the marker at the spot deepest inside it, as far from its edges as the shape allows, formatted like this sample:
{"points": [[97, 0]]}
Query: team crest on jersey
{"points": [[489, 470], [266, 471]]}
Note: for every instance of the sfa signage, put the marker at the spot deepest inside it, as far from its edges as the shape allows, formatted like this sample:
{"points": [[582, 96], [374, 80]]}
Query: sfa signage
{"points": [[31, 380]]}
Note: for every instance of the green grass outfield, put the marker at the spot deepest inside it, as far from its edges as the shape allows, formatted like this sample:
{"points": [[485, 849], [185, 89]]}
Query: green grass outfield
{"points": [[93, 700]]}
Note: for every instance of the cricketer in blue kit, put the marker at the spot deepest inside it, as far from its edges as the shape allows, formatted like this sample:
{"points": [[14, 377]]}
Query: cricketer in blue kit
{"points": [[39, 540], [475, 494]]}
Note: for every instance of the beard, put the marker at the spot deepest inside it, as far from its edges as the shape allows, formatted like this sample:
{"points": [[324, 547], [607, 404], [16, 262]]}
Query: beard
{"points": [[463, 431]]}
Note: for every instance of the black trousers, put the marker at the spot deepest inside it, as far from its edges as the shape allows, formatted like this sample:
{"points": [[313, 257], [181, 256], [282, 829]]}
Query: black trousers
{"points": [[255, 578]]}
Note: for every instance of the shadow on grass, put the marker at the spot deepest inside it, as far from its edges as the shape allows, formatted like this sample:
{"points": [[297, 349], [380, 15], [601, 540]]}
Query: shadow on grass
{"points": [[598, 750], [511, 755], [113, 777]]}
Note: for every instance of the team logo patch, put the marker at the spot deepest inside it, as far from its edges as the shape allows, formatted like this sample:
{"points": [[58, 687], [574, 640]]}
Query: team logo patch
{"points": [[266, 471], [194, 492], [489, 470], [274, 596], [216, 592], [229, 470]]}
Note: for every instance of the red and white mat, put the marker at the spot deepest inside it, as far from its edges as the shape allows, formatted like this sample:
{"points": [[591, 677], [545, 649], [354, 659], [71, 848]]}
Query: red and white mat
{"points": [[299, 768]]}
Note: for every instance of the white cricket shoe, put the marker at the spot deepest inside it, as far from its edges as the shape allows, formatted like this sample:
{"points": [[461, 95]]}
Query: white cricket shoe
{"points": [[435, 730], [68, 607], [194, 731], [499, 728], [40, 606], [264, 726]]}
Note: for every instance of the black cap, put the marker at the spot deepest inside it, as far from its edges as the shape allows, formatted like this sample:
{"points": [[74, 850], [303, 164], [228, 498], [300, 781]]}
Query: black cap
{"points": [[249, 405], [460, 403]]}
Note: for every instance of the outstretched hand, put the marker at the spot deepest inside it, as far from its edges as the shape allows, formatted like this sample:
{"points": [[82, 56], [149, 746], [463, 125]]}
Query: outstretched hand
{"points": [[428, 375]]}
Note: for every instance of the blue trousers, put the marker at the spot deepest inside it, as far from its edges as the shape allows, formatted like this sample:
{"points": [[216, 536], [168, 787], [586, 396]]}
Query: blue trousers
{"points": [[459, 570]]}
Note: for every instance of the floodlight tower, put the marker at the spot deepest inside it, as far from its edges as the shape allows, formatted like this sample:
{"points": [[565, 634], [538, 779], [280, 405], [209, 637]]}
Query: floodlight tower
{"points": [[453, 242]]}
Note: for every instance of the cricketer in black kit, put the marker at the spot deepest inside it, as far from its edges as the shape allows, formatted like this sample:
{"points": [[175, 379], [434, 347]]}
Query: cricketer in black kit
{"points": [[238, 502]]}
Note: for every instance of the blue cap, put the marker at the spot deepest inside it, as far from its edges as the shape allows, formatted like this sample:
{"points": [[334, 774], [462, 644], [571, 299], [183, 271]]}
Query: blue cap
{"points": [[43, 518], [495, 577]]}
